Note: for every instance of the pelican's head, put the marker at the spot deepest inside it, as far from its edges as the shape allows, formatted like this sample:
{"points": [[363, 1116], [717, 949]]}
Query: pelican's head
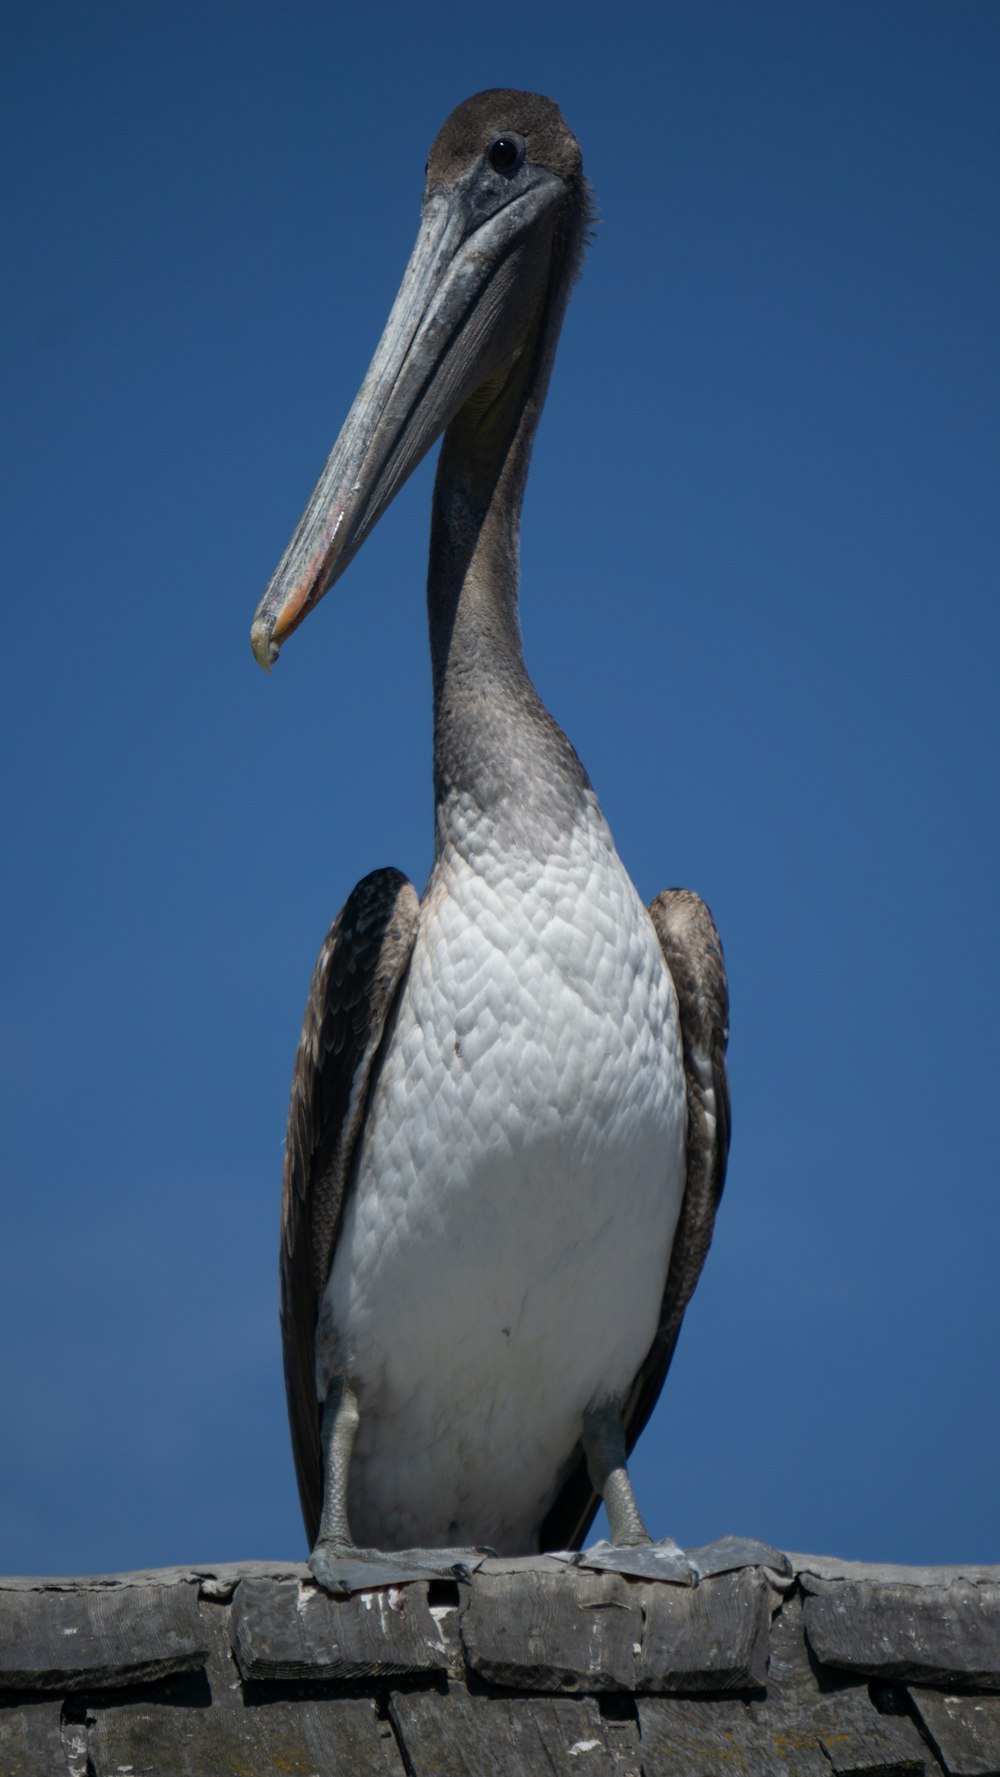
{"points": [[504, 215]]}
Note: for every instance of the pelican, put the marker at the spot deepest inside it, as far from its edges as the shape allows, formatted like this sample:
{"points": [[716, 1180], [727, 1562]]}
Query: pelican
{"points": [[509, 1117]]}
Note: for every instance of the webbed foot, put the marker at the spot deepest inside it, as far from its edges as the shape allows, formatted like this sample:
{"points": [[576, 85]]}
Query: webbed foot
{"points": [[663, 1560], [730, 1553], [340, 1568]]}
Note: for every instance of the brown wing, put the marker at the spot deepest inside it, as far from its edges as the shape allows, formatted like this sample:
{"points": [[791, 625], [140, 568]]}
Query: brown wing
{"points": [[692, 950], [354, 985]]}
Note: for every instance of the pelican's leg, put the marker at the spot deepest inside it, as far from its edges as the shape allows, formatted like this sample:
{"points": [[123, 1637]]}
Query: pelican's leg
{"points": [[339, 1430], [604, 1448], [336, 1562], [631, 1549]]}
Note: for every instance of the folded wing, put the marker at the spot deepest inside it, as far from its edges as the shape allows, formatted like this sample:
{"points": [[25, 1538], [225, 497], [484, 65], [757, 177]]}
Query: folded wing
{"points": [[354, 986]]}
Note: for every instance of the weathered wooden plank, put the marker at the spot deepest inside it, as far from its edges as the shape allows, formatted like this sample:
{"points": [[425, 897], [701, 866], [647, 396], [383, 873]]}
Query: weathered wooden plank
{"points": [[694, 1738], [281, 1629], [948, 1635], [31, 1742], [711, 1637], [456, 1735], [831, 1567], [791, 1680], [313, 1737], [964, 1731], [227, 1573], [494, 1564], [545, 1632], [857, 1740], [69, 1640]]}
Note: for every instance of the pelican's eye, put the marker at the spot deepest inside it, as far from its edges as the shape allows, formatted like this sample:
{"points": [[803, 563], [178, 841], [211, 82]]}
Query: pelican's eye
{"points": [[507, 153]]}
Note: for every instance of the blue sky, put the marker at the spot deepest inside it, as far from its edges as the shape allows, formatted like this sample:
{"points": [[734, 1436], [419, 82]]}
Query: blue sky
{"points": [[759, 592]]}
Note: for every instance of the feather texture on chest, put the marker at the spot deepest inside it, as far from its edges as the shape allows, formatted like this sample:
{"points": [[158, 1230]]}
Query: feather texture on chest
{"points": [[521, 1171]]}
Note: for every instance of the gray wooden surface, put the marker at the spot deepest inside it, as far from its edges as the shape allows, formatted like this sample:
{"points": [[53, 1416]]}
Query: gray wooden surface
{"points": [[285, 1630], [549, 1632], [930, 1634], [68, 1640], [528, 1667], [712, 1637], [702, 1739], [831, 1567], [836, 1714], [301, 1738], [964, 1732], [456, 1735], [31, 1741], [225, 1574]]}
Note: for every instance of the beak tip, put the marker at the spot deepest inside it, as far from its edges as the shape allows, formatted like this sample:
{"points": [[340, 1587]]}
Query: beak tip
{"points": [[265, 650]]}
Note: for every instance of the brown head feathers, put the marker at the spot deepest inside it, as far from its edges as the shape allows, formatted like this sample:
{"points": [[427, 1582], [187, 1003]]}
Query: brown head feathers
{"points": [[483, 119]]}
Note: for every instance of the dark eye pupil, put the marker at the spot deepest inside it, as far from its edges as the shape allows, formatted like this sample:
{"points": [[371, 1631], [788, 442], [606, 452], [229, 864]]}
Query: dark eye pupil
{"points": [[504, 153]]}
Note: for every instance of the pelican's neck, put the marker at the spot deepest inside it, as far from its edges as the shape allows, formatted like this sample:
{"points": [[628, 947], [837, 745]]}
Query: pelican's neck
{"points": [[497, 751], [473, 576]]}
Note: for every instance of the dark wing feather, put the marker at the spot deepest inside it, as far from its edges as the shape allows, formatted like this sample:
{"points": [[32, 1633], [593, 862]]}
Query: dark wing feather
{"points": [[354, 985], [692, 950]]}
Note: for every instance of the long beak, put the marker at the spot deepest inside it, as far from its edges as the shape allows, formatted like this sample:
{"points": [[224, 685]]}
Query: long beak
{"points": [[448, 332]]}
